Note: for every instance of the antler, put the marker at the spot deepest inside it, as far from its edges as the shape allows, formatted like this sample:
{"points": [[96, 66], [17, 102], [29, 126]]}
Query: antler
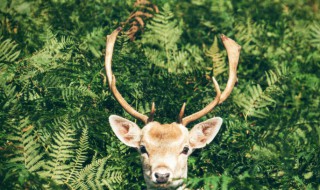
{"points": [[233, 51], [112, 81]]}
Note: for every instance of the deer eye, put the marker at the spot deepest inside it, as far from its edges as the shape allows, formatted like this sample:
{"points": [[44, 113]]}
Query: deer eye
{"points": [[143, 150], [185, 150]]}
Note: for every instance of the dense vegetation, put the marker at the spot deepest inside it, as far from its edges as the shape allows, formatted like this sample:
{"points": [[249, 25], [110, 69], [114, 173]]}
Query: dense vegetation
{"points": [[55, 104]]}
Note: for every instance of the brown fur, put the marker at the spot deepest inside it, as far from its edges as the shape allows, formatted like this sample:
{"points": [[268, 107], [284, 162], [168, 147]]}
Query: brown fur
{"points": [[167, 132]]}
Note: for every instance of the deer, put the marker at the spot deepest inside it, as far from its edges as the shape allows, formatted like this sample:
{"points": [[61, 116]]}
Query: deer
{"points": [[165, 148]]}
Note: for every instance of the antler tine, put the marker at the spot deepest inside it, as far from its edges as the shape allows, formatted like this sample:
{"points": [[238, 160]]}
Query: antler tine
{"points": [[112, 80], [153, 110], [233, 51], [185, 121], [181, 114]]}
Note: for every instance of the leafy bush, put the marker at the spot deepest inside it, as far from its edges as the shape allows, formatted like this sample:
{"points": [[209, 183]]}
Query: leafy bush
{"points": [[55, 103]]}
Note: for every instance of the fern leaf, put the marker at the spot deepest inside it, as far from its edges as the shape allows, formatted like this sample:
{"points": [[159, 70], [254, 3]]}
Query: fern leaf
{"points": [[218, 64], [161, 42], [61, 151], [315, 34], [28, 156], [81, 155], [8, 51], [257, 100], [94, 175], [247, 33], [92, 41]]}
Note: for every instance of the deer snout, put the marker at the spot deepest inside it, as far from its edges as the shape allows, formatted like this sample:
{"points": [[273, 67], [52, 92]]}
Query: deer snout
{"points": [[162, 178], [161, 175]]}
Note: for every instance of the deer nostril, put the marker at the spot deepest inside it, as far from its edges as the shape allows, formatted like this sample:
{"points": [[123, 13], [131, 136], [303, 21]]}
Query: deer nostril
{"points": [[162, 178]]}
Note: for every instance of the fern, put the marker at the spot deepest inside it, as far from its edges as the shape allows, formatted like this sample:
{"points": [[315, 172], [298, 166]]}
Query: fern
{"points": [[65, 163], [68, 157], [218, 64], [32, 156], [255, 101], [8, 55], [9, 94], [274, 79], [247, 35], [164, 30], [161, 42], [93, 42], [60, 152], [8, 52], [76, 92], [81, 156], [95, 175], [315, 34], [28, 157], [50, 57], [51, 53]]}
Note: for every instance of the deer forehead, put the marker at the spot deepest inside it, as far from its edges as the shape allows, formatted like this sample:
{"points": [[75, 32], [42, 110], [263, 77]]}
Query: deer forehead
{"points": [[169, 135]]}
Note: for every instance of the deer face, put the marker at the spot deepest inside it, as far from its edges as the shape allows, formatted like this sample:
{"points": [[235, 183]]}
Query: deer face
{"points": [[164, 148]]}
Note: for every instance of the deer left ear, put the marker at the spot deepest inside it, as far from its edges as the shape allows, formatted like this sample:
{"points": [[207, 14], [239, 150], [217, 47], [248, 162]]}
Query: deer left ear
{"points": [[204, 132]]}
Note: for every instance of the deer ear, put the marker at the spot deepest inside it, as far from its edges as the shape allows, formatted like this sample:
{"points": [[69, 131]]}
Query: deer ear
{"points": [[127, 131], [204, 132]]}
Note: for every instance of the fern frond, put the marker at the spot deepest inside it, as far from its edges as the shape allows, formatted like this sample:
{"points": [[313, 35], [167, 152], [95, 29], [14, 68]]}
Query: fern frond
{"points": [[113, 177], [75, 92], [9, 95], [61, 151], [274, 79], [315, 34], [55, 45], [81, 155], [153, 57], [27, 156], [81, 176], [92, 41], [255, 100], [247, 33], [8, 51], [33, 158], [218, 64], [207, 182], [163, 31], [255, 104], [96, 175], [161, 44], [136, 19], [50, 57]]}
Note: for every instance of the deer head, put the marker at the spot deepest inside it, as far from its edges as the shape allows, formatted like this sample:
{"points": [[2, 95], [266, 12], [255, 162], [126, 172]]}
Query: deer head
{"points": [[165, 148]]}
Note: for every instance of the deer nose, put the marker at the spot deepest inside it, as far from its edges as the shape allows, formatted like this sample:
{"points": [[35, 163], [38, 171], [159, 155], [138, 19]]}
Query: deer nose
{"points": [[162, 178]]}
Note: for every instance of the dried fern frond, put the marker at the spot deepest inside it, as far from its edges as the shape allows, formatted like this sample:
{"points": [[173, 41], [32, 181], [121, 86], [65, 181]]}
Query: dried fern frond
{"points": [[136, 20]]}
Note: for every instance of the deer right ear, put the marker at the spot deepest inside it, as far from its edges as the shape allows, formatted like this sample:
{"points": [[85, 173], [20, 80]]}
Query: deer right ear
{"points": [[204, 132], [127, 131]]}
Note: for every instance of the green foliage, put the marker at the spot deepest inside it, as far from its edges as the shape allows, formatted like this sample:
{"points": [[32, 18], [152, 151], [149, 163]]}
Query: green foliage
{"points": [[63, 162], [161, 44], [54, 101], [255, 101]]}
